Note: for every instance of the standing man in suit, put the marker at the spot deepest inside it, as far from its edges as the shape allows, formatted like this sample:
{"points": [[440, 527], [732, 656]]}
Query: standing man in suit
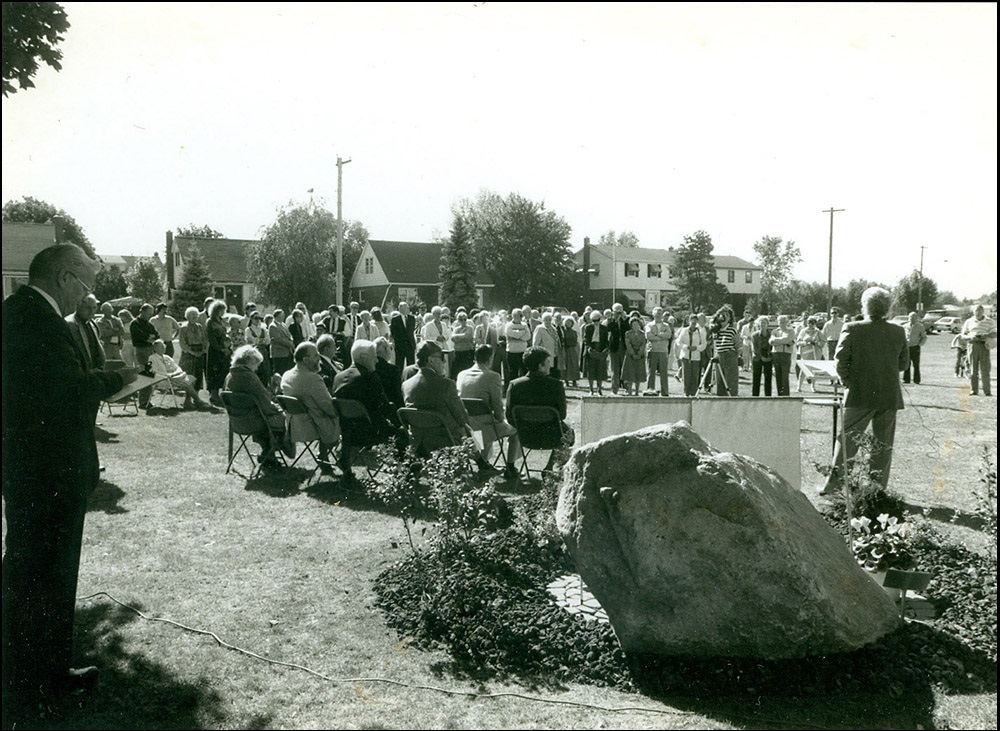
{"points": [[402, 329], [870, 355], [84, 331], [50, 468], [617, 327]]}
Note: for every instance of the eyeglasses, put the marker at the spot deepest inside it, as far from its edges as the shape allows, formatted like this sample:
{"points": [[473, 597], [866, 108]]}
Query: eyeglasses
{"points": [[82, 283]]}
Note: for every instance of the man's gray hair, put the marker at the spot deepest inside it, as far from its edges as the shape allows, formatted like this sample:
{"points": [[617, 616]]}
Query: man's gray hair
{"points": [[247, 355], [363, 353], [875, 303]]}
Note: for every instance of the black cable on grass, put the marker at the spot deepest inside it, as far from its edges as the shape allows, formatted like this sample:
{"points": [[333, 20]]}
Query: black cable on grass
{"points": [[389, 681]]}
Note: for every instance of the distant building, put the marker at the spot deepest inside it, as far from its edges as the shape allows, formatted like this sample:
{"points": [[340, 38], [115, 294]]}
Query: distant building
{"points": [[21, 241], [390, 272], [642, 276], [226, 260]]}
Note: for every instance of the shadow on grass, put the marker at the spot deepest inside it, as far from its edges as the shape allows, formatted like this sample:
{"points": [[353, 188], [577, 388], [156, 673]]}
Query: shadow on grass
{"points": [[134, 692], [106, 498], [948, 515], [887, 685], [103, 436]]}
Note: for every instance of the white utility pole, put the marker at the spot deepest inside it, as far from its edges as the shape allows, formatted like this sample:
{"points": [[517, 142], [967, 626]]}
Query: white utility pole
{"points": [[340, 231]]}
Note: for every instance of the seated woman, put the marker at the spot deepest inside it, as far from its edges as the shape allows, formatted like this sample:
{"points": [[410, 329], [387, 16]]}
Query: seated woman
{"points": [[163, 365], [243, 379]]}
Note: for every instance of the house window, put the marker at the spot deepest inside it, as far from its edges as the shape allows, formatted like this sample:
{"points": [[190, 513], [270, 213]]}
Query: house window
{"points": [[369, 265], [749, 277], [631, 270], [732, 276], [654, 270], [595, 268], [177, 258], [408, 294]]}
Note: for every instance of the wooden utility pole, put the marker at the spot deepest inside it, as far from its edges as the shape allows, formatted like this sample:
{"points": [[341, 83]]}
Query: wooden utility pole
{"points": [[340, 231], [829, 272]]}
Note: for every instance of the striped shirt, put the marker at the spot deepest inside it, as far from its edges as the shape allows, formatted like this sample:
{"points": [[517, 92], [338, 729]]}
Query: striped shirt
{"points": [[725, 339]]}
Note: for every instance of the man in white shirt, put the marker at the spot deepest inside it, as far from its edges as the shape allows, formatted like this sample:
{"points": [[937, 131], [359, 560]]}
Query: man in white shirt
{"points": [[481, 382], [831, 331], [658, 337], [163, 365], [980, 332]]}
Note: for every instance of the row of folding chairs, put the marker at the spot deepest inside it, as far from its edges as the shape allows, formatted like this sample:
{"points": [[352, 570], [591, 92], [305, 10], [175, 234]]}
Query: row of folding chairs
{"points": [[355, 428]]}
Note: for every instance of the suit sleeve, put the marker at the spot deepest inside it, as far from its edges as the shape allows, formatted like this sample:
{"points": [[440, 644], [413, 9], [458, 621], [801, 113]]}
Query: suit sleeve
{"points": [[843, 356]]}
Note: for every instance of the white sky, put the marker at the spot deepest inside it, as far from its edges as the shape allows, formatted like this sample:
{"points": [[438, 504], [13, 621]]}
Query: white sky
{"points": [[743, 120]]}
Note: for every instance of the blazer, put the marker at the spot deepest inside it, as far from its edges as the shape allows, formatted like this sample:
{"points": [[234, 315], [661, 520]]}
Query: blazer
{"points": [[403, 328], [392, 381], [870, 354], [243, 380], [603, 336], [308, 387], [92, 350], [365, 386], [536, 390], [432, 391], [487, 385]]}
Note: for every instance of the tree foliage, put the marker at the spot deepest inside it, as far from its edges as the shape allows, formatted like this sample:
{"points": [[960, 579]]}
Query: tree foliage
{"points": [[913, 289], [355, 239], [31, 32], [855, 288], [458, 268], [524, 247], [776, 258], [110, 283], [144, 281], [296, 258], [693, 271], [32, 210], [625, 239], [198, 232], [195, 283]]}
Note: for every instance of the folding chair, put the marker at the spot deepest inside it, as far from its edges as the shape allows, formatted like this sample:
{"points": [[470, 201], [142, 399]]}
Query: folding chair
{"points": [[164, 388], [428, 430], [481, 420], [538, 428], [301, 429], [244, 403], [357, 434], [132, 400]]}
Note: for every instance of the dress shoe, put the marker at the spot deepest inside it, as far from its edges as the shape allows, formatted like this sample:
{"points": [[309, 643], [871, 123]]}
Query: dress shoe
{"points": [[78, 680]]}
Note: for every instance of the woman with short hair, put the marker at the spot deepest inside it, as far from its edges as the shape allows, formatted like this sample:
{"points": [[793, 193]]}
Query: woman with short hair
{"points": [[219, 350], [242, 378]]}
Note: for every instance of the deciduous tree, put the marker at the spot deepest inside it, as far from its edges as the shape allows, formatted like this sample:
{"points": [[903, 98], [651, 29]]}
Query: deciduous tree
{"points": [[110, 283], [458, 268], [524, 247], [776, 258], [32, 210], [914, 289], [198, 232], [144, 281], [625, 239], [31, 32], [693, 271]]}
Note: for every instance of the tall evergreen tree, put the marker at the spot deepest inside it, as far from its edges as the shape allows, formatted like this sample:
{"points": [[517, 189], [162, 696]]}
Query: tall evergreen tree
{"points": [[458, 268], [195, 284], [693, 271]]}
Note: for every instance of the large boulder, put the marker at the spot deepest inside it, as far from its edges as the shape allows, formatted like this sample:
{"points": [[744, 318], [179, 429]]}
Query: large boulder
{"points": [[700, 553]]}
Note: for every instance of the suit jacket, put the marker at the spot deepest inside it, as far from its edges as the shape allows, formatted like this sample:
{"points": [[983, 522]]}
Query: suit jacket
{"points": [[870, 354], [50, 398], [92, 350], [392, 382], [432, 391], [365, 386], [536, 390], [603, 336], [487, 385], [616, 334], [403, 332], [308, 387], [244, 380]]}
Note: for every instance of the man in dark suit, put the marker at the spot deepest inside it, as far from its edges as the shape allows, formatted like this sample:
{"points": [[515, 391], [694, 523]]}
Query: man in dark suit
{"points": [[50, 467], [538, 388], [402, 330], [870, 355], [84, 331], [388, 373], [430, 389], [617, 327]]}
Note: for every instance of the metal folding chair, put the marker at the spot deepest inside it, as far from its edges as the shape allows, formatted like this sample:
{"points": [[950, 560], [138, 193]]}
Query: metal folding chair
{"points": [[538, 428], [164, 388], [132, 400], [301, 429], [481, 420], [243, 402], [428, 430], [358, 436]]}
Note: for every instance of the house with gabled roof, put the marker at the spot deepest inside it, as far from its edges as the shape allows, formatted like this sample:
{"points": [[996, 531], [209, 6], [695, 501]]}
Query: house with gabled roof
{"points": [[227, 263], [642, 276], [21, 241], [389, 272]]}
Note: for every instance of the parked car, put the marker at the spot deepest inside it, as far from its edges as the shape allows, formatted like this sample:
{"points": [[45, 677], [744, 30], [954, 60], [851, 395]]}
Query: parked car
{"points": [[949, 324], [900, 320]]}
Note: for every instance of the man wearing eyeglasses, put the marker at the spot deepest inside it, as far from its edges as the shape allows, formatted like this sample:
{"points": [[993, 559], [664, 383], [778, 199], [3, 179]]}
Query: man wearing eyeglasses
{"points": [[50, 467]]}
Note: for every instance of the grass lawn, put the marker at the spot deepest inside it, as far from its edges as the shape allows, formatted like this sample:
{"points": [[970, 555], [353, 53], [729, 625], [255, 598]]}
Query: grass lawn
{"points": [[283, 570]]}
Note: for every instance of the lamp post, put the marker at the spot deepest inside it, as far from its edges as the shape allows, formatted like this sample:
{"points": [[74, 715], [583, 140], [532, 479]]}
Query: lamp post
{"points": [[340, 231]]}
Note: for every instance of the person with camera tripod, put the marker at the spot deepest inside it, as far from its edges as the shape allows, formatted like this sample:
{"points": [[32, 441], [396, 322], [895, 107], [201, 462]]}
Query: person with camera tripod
{"points": [[726, 359]]}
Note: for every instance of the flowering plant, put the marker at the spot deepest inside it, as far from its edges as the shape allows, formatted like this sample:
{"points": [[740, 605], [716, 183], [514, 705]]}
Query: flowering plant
{"points": [[882, 544]]}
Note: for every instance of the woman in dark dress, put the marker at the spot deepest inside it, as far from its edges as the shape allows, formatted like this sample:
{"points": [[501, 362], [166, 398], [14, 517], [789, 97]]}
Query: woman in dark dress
{"points": [[219, 351]]}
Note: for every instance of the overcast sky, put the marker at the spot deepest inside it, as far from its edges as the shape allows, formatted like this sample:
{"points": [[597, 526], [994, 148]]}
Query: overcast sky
{"points": [[743, 120]]}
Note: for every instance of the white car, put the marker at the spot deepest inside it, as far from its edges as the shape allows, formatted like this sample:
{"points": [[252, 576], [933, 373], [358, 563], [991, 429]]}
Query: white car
{"points": [[949, 324]]}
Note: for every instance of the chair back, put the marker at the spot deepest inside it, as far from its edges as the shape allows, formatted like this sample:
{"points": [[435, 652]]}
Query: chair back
{"points": [[428, 429], [244, 413], [356, 426], [480, 416], [301, 428], [538, 427]]}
